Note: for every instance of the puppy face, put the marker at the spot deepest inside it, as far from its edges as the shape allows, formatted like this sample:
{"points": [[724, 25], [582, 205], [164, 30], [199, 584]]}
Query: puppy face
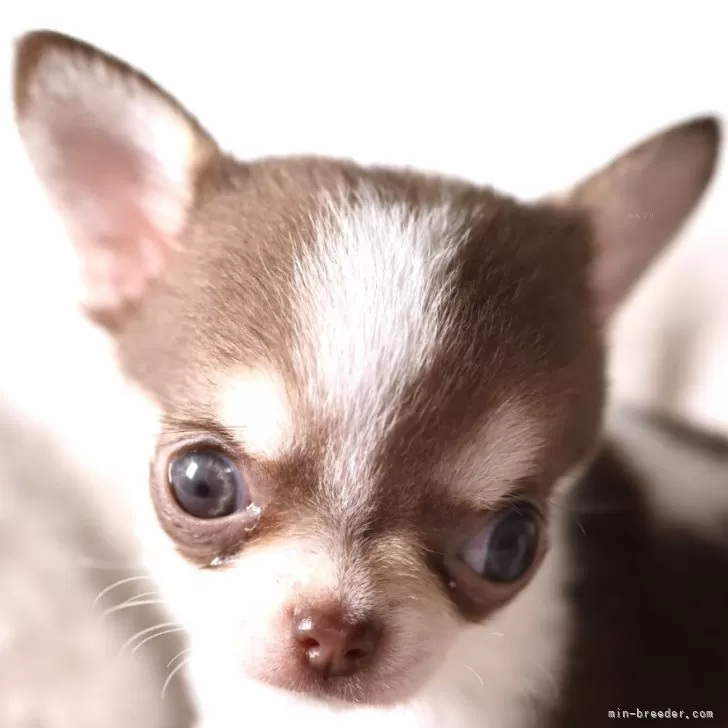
{"points": [[369, 383], [383, 417]]}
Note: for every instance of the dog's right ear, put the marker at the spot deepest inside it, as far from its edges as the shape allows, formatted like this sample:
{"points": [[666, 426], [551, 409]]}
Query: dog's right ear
{"points": [[118, 157]]}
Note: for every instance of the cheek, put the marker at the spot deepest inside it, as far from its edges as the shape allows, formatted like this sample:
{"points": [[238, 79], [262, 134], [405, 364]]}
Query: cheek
{"points": [[421, 620], [244, 606], [422, 632]]}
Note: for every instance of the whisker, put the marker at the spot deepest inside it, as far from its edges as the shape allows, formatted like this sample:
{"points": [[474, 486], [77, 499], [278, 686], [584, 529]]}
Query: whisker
{"points": [[143, 595], [172, 630], [170, 676], [474, 673], [178, 655], [129, 603], [141, 633], [120, 583]]}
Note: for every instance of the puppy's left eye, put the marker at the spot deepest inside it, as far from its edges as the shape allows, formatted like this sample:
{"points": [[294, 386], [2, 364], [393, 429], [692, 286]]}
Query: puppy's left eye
{"points": [[505, 549]]}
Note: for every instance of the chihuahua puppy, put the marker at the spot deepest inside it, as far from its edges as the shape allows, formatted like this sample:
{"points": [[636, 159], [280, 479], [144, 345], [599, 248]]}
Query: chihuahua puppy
{"points": [[371, 394]]}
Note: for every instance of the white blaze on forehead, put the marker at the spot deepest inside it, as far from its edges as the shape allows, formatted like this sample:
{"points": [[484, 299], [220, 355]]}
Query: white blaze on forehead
{"points": [[495, 457], [370, 299], [254, 407]]}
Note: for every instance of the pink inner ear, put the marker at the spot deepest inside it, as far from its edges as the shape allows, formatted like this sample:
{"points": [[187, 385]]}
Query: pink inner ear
{"points": [[640, 202], [117, 267], [121, 212]]}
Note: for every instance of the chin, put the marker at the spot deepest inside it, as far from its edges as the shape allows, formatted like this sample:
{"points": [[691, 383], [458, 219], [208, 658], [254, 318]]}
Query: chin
{"points": [[342, 692], [225, 699], [326, 707], [373, 689]]}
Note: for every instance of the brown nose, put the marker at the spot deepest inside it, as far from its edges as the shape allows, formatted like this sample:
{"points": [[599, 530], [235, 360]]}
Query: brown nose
{"points": [[331, 645]]}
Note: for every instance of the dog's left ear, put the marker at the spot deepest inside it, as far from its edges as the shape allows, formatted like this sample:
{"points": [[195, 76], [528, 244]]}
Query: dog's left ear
{"points": [[638, 203]]}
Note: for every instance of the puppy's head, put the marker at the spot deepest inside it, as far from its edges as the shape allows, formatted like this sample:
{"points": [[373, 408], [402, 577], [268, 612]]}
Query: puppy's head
{"points": [[370, 382]]}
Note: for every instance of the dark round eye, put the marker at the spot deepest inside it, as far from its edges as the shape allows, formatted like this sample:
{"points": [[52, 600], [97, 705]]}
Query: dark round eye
{"points": [[504, 550], [207, 484]]}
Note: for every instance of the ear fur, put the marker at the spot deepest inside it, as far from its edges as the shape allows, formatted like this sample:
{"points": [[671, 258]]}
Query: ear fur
{"points": [[117, 156], [120, 158], [639, 202]]}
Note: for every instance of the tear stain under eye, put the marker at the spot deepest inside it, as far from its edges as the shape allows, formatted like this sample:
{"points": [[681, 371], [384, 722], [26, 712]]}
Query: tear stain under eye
{"points": [[253, 510], [218, 561]]}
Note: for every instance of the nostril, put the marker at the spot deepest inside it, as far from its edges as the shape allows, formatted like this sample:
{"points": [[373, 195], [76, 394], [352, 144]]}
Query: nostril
{"points": [[355, 654], [308, 643]]}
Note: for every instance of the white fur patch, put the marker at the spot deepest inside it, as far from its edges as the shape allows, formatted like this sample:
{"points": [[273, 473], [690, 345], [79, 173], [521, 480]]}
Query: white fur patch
{"points": [[254, 407], [370, 297], [683, 486], [495, 457]]}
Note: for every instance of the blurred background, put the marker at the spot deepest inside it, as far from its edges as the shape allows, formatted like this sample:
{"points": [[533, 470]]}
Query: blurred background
{"points": [[527, 97]]}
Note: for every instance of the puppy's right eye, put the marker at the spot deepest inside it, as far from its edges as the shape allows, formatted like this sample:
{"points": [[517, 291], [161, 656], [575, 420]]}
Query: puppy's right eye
{"points": [[207, 484], [505, 549]]}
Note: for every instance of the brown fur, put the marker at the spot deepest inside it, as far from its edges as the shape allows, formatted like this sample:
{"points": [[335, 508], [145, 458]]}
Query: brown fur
{"points": [[520, 311]]}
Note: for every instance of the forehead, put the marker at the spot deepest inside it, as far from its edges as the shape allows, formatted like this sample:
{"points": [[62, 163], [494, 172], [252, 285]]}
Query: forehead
{"points": [[356, 318]]}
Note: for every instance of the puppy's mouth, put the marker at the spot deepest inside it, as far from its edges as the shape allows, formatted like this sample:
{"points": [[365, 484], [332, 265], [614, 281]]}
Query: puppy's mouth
{"points": [[358, 678], [360, 689]]}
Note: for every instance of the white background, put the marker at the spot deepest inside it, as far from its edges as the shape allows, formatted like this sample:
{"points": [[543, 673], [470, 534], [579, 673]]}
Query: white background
{"points": [[525, 96]]}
